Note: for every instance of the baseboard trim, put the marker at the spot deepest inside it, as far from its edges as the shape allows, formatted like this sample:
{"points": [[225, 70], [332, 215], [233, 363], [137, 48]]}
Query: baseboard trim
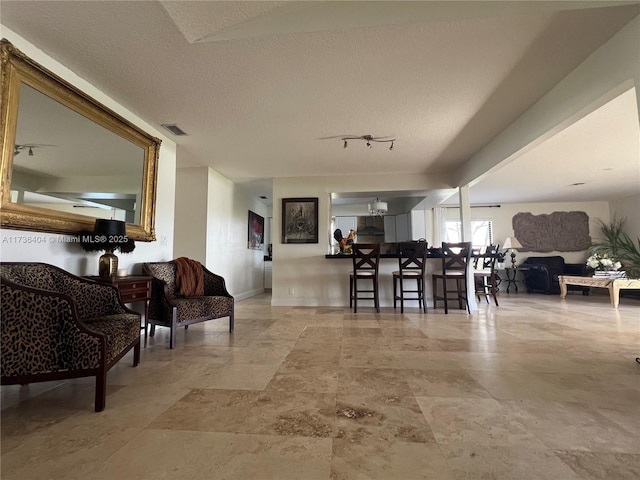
{"points": [[249, 294]]}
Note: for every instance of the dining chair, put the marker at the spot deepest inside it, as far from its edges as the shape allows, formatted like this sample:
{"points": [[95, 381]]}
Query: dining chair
{"points": [[412, 258], [485, 276], [366, 260], [455, 264]]}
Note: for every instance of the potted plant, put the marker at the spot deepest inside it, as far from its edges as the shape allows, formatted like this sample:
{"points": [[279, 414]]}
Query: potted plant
{"points": [[616, 246]]}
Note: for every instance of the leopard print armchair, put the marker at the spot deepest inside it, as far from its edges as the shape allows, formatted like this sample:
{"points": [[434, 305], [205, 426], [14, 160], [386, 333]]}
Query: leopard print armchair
{"points": [[56, 325], [167, 309]]}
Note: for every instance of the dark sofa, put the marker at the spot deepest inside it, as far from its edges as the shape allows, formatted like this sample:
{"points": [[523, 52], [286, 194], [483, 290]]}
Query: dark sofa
{"points": [[543, 273]]}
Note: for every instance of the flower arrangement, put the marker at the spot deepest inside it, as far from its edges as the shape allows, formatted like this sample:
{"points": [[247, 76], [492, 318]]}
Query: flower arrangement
{"points": [[603, 262]]}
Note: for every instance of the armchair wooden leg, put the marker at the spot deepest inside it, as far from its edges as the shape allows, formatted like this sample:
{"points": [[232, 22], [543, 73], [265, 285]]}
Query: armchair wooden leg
{"points": [[136, 354], [101, 389], [174, 329], [231, 325]]}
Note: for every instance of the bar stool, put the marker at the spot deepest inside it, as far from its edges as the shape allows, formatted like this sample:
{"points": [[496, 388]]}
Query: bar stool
{"points": [[366, 259], [485, 277], [455, 263], [412, 258]]}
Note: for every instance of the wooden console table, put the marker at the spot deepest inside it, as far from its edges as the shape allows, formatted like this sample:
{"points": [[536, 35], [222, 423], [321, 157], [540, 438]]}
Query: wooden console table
{"points": [[614, 285]]}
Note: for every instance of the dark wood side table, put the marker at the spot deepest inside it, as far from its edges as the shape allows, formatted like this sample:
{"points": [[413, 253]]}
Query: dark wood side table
{"points": [[511, 277], [132, 288]]}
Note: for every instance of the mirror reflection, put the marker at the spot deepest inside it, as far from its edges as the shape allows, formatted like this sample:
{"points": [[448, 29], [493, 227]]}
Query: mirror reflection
{"points": [[65, 162], [66, 159], [402, 220]]}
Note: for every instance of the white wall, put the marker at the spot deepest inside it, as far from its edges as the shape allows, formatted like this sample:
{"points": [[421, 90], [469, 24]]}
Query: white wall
{"points": [[190, 237], [212, 227], [227, 250], [420, 224], [23, 246], [628, 208], [302, 268]]}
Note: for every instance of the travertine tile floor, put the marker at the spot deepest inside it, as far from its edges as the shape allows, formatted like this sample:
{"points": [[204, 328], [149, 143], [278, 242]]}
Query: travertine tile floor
{"points": [[538, 388]]}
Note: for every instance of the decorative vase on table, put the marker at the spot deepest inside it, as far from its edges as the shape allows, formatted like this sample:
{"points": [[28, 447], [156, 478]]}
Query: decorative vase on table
{"points": [[108, 264]]}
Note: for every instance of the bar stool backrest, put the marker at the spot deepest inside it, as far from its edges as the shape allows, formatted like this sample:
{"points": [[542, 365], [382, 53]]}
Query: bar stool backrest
{"points": [[366, 258], [489, 257], [456, 257], [412, 256]]}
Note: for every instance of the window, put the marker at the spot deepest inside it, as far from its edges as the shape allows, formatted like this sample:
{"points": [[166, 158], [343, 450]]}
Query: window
{"points": [[481, 232]]}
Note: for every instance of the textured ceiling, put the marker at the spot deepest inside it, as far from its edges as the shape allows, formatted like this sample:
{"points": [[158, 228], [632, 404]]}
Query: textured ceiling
{"points": [[266, 89]]}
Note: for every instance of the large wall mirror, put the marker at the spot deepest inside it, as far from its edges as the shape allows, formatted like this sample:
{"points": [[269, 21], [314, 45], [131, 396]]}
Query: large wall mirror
{"points": [[67, 159]]}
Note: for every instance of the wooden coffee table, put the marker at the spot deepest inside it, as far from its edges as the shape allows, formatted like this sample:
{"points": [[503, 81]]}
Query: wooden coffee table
{"points": [[614, 285]]}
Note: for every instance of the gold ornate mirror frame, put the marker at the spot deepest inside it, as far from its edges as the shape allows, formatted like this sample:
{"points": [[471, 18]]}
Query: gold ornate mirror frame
{"points": [[18, 69]]}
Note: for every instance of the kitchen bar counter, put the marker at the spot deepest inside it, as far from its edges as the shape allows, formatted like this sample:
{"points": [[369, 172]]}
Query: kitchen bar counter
{"points": [[342, 269], [324, 281]]}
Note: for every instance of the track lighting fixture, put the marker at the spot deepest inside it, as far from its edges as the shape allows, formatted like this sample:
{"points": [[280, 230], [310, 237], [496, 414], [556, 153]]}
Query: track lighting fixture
{"points": [[369, 139], [28, 147]]}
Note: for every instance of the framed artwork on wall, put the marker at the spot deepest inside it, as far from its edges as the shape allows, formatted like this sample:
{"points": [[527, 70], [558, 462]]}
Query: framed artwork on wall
{"points": [[300, 220], [255, 231]]}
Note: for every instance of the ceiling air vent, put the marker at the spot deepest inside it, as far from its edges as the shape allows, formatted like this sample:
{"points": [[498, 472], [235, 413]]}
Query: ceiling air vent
{"points": [[173, 128]]}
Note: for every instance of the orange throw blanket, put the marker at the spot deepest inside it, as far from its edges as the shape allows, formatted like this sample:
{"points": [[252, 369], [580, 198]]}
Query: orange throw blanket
{"points": [[189, 277]]}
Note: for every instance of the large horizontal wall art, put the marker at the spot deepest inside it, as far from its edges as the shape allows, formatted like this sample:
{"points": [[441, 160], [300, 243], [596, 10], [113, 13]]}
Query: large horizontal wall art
{"points": [[558, 231]]}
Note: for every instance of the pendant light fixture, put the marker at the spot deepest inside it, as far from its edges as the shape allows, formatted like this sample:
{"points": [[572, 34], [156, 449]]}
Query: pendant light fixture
{"points": [[378, 207]]}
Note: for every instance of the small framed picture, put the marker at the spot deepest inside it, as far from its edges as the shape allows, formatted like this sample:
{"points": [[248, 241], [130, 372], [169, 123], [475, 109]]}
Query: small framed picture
{"points": [[300, 220], [256, 231]]}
